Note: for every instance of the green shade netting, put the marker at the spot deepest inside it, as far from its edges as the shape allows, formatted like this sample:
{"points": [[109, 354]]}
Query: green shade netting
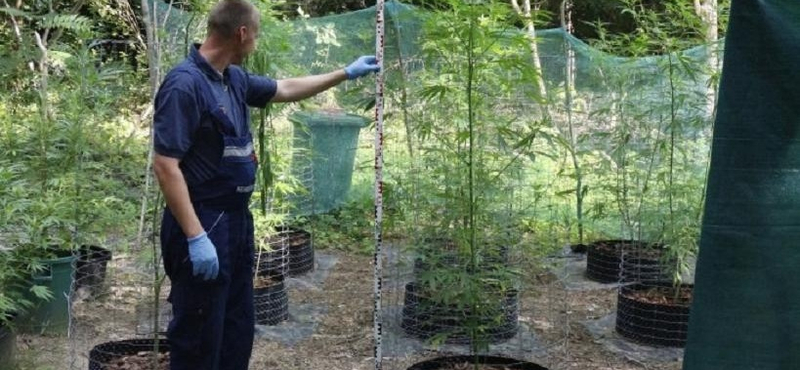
{"points": [[610, 94], [746, 309]]}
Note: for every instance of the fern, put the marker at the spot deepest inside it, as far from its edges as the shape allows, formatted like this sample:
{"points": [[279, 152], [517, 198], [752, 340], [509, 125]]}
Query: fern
{"points": [[13, 12], [70, 22]]}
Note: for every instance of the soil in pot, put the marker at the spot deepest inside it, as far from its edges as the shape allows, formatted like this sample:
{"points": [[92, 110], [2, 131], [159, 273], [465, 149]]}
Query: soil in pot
{"points": [[654, 314], [611, 261], [665, 296], [140, 361], [469, 363], [424, 318], [271, 302]]}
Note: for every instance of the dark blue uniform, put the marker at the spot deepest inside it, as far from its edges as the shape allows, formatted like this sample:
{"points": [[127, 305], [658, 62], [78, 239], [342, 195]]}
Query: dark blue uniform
{"points": [[202, 118]]}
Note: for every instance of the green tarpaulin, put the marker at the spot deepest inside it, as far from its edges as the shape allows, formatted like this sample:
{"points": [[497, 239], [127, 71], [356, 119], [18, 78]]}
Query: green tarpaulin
{"points": [[746, 310]]}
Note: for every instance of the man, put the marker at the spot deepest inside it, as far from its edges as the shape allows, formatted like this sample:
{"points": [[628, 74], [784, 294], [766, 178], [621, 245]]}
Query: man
{"points": [[205, 167]]}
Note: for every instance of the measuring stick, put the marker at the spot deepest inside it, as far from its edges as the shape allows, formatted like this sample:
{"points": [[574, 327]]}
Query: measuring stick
{"points": [[377, 258]]}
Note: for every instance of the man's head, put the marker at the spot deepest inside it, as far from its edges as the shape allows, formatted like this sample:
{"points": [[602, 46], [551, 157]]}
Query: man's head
{"points": [[235, 22]]}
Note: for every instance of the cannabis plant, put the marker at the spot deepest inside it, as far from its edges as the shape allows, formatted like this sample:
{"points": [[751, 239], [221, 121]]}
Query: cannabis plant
{"points": [[658, 150], [472, 151]]}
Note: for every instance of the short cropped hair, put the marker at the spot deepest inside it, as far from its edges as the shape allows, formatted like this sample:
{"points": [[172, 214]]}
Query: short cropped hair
{"points": [[228, 15]]}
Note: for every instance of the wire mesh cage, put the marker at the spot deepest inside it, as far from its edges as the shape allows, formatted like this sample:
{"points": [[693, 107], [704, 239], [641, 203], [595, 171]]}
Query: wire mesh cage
{"points": [[270, 295], [654, 314], [611, 261], [144, 353], [118, 310], [271, 300]]}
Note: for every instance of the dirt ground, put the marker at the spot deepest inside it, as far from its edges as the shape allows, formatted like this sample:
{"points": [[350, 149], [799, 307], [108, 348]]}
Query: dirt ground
{"points": [[343, 337]]}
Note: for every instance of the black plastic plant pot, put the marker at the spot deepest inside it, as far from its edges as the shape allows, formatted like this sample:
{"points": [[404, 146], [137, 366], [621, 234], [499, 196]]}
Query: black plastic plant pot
{"points": [[271, 303], [8, 348], [468, 362], [301, 251], [644, 264], [578, 248], [90, 268], [425, 319], [274, 262], [650, 314], [613, 261], [113, 355]]}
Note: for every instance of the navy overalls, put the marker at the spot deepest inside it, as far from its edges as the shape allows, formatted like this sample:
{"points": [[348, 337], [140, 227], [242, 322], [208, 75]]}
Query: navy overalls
{"points": [[213, 321]]}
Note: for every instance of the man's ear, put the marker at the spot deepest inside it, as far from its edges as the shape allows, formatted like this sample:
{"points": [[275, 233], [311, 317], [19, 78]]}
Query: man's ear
{"points": [[241, 33]]}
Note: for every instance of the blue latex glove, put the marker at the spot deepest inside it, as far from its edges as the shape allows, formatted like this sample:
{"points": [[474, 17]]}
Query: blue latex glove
{"points": [[203, 256], [362, 66]]}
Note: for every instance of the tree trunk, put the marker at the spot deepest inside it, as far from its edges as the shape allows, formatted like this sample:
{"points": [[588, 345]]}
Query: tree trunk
{"points": [[43, 69], [566, 23], [707, 10], [154, 69], [525, 13]]}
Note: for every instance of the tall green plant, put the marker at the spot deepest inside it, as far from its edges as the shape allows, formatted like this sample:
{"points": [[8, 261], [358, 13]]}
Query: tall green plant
{"points": [[473, 150], [16, 262], [263, 62], [661, 155], [59, 183]]}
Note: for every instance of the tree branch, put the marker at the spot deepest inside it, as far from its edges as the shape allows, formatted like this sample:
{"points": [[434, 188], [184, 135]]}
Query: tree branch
{"points": [[166, 14], [130, 18], [153, 59], [43, 69], [515, 4], [525, 13], [40, 44], [14, 23]]}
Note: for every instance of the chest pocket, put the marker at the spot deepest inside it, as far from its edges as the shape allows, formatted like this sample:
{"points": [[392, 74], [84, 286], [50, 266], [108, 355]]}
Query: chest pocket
{"points": [[227, 159]]}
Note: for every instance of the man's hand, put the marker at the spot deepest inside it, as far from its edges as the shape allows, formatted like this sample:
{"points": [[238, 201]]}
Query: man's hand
{"points": [[361, 67], [203, 256]]}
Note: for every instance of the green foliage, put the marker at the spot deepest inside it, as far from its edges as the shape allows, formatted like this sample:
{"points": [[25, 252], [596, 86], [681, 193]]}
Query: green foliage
{"points": [[657, 146], [70, 151], [266, 225], [18, 293], [654, 29], [70, 22], [489, 169], [474, 150], [18, 258], [348, 228], [55, 25], [465, 121]]}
